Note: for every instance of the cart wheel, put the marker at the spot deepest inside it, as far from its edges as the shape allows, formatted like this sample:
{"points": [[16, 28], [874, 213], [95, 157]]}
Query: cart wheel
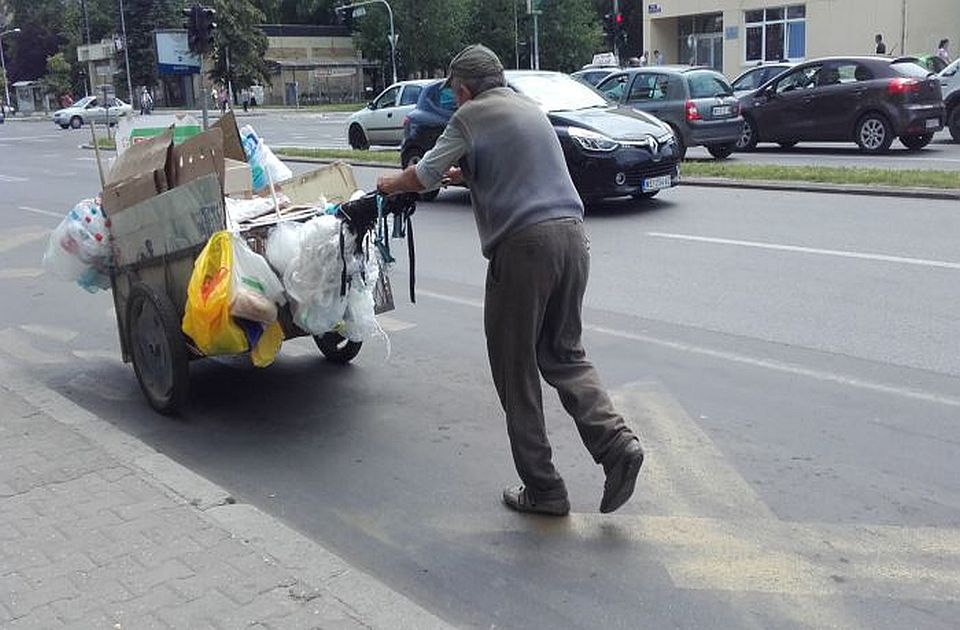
{"points": [[159, 352], [336, 348]]}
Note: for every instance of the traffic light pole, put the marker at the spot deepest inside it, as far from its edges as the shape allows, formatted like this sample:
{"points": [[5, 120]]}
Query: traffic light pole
{"points": [[206, 95], [393, 34], [616, 32]]}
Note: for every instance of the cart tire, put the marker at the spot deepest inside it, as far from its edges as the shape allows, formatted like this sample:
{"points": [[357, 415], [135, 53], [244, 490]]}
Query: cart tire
{"points": [[159, 353], [336, 348]]}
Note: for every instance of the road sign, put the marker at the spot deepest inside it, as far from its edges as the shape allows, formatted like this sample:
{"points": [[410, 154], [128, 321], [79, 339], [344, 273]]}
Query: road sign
{"points": [[359, 12]]}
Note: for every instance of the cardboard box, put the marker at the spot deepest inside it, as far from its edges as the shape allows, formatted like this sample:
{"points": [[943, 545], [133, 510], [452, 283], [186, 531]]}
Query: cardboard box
{"points": [[130, 192], [197, 157], [232, 145], [138, 174], [334, 182], [237, 179]]}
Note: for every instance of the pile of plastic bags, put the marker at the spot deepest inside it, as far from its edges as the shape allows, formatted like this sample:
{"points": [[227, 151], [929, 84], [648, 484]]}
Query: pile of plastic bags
{"points": [[264, 165], [79, 248]]}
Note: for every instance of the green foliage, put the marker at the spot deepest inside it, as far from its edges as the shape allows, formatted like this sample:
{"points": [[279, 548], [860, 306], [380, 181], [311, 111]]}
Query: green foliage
{"points": [[569, 34], [296, 11], [143, 17], [239, 44], [58, 79]]}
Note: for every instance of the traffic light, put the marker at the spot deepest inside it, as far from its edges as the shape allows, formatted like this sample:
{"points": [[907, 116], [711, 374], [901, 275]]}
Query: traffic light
{"points": [[609, 28], [200, 28]]}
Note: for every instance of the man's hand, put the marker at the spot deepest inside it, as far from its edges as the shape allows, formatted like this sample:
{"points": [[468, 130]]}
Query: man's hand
{"points": [[453, 177], [405, 181]]}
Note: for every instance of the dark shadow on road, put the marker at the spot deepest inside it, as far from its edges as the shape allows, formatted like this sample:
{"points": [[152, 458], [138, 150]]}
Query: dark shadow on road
{"points": [[627, 206]]}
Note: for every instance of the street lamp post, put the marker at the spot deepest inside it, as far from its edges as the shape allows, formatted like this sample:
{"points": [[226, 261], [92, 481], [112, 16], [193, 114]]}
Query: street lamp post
{"points": [[126, 54], [3, 63], [393, 34]]}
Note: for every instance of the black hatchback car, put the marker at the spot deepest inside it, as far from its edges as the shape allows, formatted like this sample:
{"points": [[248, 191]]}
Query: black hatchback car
{"points": [[867, 100], [697, 103], [609, 152]]}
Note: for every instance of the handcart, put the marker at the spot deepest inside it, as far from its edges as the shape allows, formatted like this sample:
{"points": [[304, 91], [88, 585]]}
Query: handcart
{"points": [[155, 245]]}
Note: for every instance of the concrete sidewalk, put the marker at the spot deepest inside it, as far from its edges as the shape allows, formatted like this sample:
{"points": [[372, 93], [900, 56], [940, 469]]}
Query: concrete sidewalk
{"points": [[97, 530]]}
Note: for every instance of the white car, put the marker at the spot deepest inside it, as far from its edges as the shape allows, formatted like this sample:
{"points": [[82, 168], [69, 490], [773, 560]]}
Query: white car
{"points": [[88, 109], [950, 83], [381, 122]]}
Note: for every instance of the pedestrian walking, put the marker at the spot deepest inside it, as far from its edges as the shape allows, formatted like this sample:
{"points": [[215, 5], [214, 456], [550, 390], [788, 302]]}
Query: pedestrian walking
{"points": [[530, 219], [943, 50], [881, 47], [146, 102], [224, 99], [245, 98], [658, 57]]}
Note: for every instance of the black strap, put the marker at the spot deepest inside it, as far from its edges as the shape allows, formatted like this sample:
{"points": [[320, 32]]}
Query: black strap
{"points": [[343, 265], [413, 258]]}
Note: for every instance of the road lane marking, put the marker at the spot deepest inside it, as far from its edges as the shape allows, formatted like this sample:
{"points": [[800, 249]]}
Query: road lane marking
{"points": [[390, 324], [685, 474], [15, 344], [56, 333], [12, 138], [903, 260], [13, 179], [733, 357], [20, 273], [48, 213], [98, 355], [12, 239]]}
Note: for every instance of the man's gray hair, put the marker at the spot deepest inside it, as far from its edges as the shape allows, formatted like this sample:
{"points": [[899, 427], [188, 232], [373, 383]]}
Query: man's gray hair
{"points": [[478, 69]]}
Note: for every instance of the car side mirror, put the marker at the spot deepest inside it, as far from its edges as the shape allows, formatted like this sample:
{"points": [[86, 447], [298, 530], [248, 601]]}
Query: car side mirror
{"points": [[370, 105]]}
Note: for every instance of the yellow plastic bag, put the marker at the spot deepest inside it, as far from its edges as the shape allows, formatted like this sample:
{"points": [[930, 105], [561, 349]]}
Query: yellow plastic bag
{"points": [[206, 318], [268, 346]]}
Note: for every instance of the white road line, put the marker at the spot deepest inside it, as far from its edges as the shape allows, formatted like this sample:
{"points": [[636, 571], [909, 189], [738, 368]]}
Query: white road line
{"points": [[12, 239], [12, 179], [10, 139], [20, 273], [732, 357], [47, 213], [63, 335], [809, 250]]}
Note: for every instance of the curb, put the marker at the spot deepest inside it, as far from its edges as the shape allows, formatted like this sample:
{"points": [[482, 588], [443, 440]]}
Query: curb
{"points": [[362, 595], [948, 194]]}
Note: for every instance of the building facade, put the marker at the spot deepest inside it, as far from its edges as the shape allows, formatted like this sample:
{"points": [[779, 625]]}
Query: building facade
{"points": [[733, 35]]}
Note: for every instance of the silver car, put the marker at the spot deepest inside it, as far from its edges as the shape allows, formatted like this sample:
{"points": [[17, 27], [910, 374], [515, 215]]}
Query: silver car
{"points": [[381, 122], [950, 84], [89, 109]]}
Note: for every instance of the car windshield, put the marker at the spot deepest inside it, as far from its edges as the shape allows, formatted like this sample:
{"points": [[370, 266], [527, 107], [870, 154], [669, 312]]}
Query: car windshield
{"points": [[557, 92], [748, 81], [86, 100], [910, 69], [708, 84]]}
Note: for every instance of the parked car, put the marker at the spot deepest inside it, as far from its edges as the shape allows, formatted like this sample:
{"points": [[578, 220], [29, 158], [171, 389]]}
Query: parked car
{"points": [[755, 77], [950, 85], [933, 63], [609, 152], [381, 121], [89, 109], [867, 100], [592, 75]]}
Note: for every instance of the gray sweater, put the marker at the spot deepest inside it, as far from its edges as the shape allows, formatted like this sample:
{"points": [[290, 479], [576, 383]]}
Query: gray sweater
{"points": [[512, 161]]}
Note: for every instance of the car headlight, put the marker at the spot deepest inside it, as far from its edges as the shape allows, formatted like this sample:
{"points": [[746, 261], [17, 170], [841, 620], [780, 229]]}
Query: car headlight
{"points": [[666, 138], [593, 141]]}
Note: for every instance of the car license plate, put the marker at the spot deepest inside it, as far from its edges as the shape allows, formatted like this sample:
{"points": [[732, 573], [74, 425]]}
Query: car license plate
{"points": [[656, 183], [933, 123], [722, 110]]}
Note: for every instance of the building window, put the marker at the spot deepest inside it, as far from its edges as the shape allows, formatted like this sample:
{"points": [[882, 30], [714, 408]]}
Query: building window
{"points": [[776, 33]]}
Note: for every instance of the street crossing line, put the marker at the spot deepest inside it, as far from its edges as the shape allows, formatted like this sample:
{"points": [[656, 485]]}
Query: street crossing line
{"points": [[47, 213], [13, 179], [20, 273], [16, 344], [12, 239], [766, 364], [809, 250]]}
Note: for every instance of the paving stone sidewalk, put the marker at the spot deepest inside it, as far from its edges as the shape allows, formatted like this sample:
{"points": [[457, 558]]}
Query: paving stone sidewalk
{"points": [[99, 531]]}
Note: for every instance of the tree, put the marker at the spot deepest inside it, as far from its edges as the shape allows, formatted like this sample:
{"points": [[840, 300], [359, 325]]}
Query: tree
{"points": [[569, 34], [39, 37], [296, 11], [143, 17], [239, 44], [58, 80], [492, 23]]}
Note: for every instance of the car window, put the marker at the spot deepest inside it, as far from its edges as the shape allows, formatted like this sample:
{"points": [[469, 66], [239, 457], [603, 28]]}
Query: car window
{"points": [[707, 84], [749, 81], [845, 72], [444, 99], [649, 87], [388, 98], [613, 87], [910, 69], [410, 95], [801, 79]]}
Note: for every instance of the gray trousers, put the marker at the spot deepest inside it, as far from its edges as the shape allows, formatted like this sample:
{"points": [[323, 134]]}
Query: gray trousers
{"points": [[532, 317]]}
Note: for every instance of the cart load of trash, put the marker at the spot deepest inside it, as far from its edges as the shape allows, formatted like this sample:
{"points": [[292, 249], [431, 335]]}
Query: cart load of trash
{"points": [[261, 254]]}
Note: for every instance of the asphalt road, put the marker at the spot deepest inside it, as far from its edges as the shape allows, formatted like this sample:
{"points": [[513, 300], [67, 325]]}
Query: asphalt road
{"points": [[789, 359]]}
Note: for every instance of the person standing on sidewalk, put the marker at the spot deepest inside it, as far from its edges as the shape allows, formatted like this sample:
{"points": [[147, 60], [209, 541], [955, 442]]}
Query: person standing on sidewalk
{"points": [[530, 219]]}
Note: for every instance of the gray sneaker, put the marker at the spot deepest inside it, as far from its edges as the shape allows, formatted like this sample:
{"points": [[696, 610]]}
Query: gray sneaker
{"points": [[516, 497]]}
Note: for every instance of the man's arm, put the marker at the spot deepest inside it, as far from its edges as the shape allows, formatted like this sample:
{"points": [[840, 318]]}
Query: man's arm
{"points": [[430, 171]]}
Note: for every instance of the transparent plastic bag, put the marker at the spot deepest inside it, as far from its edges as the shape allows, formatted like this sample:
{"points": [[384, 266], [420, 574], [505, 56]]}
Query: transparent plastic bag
{"points": [[255, 291], [262, 160], [283, 245], [79, 247]]}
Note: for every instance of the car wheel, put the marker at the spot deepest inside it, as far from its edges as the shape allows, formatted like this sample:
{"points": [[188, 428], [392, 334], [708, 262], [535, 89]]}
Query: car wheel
{"points": [[681, 145], [874, 134], [76, 122], [788, 145], [412, 156], [721, 151], [915, 143], [358, 139], [953, 122], [748, 136]]}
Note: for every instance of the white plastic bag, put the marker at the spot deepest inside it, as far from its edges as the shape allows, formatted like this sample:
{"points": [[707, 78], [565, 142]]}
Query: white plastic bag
{"points": [[255, 290], [79, 249], [283, 245], [312, 278], [262, 160]]}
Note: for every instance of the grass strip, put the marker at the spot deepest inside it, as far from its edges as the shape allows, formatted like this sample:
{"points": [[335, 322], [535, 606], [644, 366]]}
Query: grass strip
{"points": [[330, 107], [106, 143], [387, 158], [824, 174]]}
